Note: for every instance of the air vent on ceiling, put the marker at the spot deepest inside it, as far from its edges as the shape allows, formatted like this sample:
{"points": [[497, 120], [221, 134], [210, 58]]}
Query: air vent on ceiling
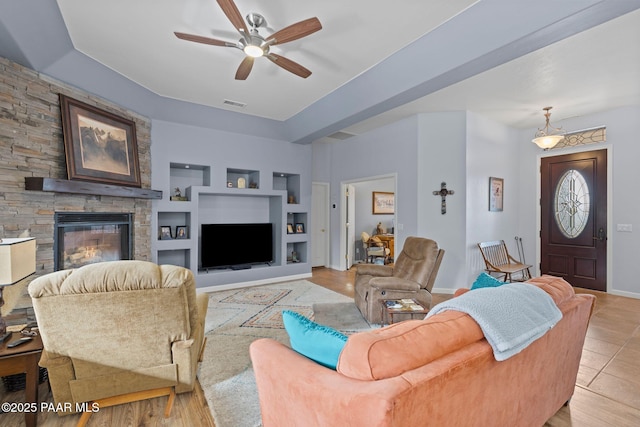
{"points": [[341, 135], [234, 103]]}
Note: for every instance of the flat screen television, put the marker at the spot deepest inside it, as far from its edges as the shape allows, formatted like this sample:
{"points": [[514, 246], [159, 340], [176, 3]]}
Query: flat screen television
{"points": [[229, 245]]}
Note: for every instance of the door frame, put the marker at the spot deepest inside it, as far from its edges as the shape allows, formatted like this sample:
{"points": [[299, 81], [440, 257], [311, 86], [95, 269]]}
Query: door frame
{"points": [[342, 266], [610, 234], [326, 188]]}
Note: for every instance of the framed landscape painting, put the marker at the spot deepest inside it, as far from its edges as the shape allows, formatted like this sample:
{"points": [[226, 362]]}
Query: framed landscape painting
{"points": [[99, 146]]}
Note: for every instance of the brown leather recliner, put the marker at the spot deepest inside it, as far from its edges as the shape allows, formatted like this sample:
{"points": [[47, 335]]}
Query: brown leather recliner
{"points": [[412, 276]]}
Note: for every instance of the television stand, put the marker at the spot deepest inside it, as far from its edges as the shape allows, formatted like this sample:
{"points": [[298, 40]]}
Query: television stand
{"points": [[241, 266]]}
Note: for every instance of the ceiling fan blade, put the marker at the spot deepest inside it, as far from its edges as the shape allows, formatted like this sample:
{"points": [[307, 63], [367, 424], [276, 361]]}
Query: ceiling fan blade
{"points": [[233, 14], [245, 68], [295, 31], [204, 40], [289, 65]]}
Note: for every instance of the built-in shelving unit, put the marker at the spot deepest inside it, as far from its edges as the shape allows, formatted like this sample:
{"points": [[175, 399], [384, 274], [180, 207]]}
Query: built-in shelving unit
{"points": [[199, 194]]}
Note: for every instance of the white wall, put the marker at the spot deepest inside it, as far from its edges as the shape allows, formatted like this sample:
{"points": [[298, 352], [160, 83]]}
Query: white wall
{"points": [[492, 151], [385, 151]]}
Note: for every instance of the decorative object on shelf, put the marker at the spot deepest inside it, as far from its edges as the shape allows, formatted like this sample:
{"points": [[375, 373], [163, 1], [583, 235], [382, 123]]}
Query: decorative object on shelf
{"points": [[443, 193], [294, 257], [165, 233], [380, 229], [242, 183], [299, 227], [383, 203], [291, 200], [229, 184], [17, 261], [290, 228], [177, 196], [182, 232], [496, 194], [548, 137], [253, 184], [99, 146]]}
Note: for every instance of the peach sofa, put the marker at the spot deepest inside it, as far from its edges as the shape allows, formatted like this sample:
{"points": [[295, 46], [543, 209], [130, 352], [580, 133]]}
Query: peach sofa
{"points": [[440, 371]]}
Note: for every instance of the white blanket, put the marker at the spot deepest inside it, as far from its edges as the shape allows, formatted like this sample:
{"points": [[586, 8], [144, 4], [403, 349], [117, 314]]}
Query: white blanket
{"points": [[512, 316]]}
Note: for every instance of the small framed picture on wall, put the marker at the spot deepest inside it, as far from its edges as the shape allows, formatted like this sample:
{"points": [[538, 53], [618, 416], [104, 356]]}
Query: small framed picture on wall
{"points": [[496, 194]]}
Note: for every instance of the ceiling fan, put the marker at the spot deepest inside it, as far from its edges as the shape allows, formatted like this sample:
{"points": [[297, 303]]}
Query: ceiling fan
{"points": [[254, 45]]}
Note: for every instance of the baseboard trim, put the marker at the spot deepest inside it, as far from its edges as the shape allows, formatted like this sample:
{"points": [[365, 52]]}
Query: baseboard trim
{"points": [[253, 283]]}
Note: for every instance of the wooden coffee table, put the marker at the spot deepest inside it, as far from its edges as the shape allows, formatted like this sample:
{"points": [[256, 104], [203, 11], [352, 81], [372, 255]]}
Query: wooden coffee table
{"points": [[24, 359], [404, 307]]}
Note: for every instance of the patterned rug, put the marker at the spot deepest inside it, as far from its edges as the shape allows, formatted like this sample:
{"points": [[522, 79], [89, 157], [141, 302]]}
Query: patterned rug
{"points": [[237, 317]]}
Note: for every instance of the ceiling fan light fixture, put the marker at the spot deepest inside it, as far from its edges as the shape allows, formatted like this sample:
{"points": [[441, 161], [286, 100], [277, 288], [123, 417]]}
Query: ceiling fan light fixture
{"points": [[548, 137], [253, 51]]}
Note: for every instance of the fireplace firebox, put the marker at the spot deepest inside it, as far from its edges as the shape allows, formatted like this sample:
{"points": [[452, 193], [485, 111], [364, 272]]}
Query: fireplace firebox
{"points": [[82, 238]]}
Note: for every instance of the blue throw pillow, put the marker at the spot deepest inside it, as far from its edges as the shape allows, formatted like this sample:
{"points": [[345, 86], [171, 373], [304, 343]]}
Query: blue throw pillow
{"points": [[485, 280], [319, 343]]}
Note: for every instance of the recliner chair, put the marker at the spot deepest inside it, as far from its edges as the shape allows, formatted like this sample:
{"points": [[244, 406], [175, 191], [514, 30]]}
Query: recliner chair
{"points": [[412, 276], [131, 329]]}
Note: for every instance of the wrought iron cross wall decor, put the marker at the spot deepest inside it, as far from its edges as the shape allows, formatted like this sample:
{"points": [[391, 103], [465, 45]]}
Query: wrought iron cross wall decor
{"points": [[443, 193]]}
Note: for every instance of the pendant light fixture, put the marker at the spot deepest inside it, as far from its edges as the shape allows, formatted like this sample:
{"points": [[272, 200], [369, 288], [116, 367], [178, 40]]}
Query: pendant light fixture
{"points": [[549, 136]]}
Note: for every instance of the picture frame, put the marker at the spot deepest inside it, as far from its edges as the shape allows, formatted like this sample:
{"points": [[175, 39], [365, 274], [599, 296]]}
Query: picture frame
{"points": [[290, 228], [182, 232], [383, 203], [99, 146], [496, 194], [165, 233], [299, 227]]}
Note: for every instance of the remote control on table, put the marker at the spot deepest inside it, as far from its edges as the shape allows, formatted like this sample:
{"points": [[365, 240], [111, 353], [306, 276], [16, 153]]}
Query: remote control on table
{"points": [[19, 342]]}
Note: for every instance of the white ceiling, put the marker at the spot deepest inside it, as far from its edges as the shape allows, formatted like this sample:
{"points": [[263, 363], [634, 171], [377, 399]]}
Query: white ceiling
{"points": [[356, 35], [592, 71], [595, 70]]}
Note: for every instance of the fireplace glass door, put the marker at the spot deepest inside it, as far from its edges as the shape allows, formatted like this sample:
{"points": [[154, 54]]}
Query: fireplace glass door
{"points": [[87, 238]]}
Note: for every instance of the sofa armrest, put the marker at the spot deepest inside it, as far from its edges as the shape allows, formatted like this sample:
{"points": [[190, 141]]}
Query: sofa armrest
{"points": [[374, 270], [294, 390], [394, 283]]}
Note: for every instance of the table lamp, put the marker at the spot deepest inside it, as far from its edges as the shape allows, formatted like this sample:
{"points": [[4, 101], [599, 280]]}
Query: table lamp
{"points": [[17, 261]]}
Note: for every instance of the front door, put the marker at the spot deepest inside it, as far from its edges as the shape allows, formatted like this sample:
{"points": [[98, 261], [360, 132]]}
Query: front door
{"points": [[574, 218]]}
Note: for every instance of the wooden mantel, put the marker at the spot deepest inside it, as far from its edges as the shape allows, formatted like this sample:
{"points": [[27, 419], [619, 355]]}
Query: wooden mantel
{"points": [[83, 187]]}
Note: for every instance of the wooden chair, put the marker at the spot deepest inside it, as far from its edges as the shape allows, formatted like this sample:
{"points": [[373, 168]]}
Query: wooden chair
{"points": [[497, 260], [375, 248]]}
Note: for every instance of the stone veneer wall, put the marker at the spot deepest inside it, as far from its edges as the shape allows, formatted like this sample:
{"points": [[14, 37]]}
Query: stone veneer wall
{"points": [[31, 144]]}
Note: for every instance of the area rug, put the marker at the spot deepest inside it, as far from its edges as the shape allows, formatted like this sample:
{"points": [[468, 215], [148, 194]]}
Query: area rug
{"points": [[237, 317]]}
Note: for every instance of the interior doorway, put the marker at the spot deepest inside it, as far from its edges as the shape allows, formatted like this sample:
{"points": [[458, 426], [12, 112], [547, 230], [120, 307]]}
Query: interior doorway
{"points": [[357, 215]]}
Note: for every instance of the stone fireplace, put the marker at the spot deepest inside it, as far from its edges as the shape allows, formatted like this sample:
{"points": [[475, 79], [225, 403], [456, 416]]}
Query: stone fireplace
{"points": [[82, 238]]}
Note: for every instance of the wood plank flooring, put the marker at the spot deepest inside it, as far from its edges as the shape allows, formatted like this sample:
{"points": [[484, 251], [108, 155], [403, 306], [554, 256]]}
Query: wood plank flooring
{"points": [[607, 393]]}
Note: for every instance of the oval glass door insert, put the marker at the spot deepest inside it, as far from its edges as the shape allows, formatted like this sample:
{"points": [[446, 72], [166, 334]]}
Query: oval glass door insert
{"points": [[572, 203]]}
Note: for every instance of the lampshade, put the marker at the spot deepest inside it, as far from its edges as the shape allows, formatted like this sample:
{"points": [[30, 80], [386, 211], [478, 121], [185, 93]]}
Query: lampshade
{"points": [[548, 137], [17, 259]]}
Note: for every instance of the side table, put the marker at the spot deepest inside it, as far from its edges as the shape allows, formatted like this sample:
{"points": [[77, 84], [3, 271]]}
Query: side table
{"points": [[23, 359], [403, 309]]}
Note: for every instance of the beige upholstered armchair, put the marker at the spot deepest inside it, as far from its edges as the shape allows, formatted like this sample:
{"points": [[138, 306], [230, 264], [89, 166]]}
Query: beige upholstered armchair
{"points": [[130, 329], [412, 276]]}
